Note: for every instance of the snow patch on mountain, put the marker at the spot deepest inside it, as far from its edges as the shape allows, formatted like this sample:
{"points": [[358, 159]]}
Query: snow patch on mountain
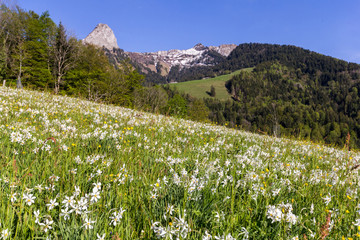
{"points": [[199, 55]]}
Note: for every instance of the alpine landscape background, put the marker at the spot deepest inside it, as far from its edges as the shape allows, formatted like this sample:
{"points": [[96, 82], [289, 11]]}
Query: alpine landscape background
{"points": [[247, 141]]}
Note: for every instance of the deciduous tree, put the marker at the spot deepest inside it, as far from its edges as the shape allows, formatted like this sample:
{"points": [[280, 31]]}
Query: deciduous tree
{"points": [[64, 55]]}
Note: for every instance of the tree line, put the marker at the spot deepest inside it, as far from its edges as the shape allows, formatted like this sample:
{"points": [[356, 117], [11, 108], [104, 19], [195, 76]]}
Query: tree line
{"points": [[38, 54]]}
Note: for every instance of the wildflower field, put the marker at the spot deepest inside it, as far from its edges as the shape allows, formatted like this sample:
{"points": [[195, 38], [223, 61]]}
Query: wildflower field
{"points": [[72, 169]]}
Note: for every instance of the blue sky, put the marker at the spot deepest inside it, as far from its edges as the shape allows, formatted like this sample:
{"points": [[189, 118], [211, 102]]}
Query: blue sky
{"points": [[326, 26]]}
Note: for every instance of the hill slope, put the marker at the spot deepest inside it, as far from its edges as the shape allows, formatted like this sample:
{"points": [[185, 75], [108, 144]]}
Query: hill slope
{"points": [[75, 169], [200, 88], [291, 91]]}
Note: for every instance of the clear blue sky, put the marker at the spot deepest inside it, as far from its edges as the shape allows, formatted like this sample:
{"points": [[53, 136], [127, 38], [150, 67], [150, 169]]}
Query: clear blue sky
{"points": [[330, 27]]}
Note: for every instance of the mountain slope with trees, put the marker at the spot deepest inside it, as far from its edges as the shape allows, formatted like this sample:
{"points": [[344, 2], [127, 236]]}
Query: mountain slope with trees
{"points": [[290, 92], [284, 100]]}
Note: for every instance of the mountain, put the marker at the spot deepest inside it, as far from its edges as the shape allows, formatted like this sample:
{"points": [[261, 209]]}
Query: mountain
{"points": [[163, 62], [201, 61], [102, 36], [161, 65]]}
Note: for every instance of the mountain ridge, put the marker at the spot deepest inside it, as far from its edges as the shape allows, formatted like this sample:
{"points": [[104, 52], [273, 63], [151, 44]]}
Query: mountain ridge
{"points": [[200, 61], [199, 55], [160, 62]]}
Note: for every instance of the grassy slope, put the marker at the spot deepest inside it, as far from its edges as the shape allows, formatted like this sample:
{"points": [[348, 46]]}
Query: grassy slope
{"points": [[140, 175], [198, 88]]}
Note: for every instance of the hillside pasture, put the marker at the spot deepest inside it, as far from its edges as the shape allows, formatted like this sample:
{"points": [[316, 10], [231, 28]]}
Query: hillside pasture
{"points": [[199, 88]]}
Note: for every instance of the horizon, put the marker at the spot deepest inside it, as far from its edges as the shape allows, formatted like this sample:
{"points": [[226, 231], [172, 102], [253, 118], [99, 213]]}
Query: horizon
{"points": [[326, 27]]}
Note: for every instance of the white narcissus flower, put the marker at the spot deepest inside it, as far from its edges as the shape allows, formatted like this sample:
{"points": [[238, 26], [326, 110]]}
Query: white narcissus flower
{"points": [[5, 234], [206, 236], [65, 213], [29, 198], [153, 195], [100, 237], [77, 191], [37, 216], [39, 188], [52, 204], [47, 225], [13, 197], [95, 195], [245, 233], [68, 201], [327, 199], [357, 223], [97, 185], [88, 223], [116, 217]]}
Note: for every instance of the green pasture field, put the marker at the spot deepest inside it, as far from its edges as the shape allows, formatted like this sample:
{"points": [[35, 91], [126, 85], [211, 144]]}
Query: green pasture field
{"points": [[198, 88]]}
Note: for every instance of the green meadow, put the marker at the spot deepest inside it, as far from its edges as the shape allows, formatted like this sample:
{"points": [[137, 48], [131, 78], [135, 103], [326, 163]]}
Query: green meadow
{"points": [[74, 169], [199, 88]]}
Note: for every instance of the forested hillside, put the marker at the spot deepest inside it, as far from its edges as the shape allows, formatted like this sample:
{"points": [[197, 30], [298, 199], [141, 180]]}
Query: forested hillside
{"points": [[290, 92], [282, 101]]}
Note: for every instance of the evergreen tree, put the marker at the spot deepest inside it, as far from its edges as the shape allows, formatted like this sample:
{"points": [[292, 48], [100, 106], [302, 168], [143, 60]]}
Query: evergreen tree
{"points": [[212, 91], [38, 29], [88, 78]]}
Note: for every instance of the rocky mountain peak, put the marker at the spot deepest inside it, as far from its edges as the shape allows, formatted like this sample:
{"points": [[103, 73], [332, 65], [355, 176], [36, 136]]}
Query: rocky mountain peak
{"points": [[102, 36], [200, 47], [160, 62]]}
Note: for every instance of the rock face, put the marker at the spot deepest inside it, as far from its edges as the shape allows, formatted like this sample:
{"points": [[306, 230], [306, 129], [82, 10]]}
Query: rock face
{"points": [[224, 49], [102, 36]]}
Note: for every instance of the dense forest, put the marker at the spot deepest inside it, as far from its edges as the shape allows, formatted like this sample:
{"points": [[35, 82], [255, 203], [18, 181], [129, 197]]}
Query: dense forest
{"points": [[279, 100], [296, 92]]}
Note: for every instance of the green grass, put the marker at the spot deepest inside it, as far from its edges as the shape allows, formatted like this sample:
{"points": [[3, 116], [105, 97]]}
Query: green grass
{"points": [[198, 88], [73, 169]]}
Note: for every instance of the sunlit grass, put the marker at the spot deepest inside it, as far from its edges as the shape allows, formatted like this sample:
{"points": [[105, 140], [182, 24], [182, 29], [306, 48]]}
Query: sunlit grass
{"points": [[200, 88], [72, 169]]}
